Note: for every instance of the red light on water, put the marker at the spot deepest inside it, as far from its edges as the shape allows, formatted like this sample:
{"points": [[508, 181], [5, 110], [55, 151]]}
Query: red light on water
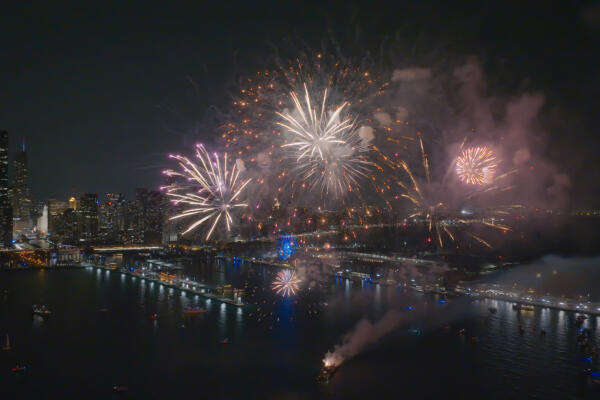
{"points": [[428, 240]]}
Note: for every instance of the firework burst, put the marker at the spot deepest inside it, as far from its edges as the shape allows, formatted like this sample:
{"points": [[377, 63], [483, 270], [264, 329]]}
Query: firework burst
{"points": [[209, 189], [286, 283], [440, 222], [324, 145], [476, 165]]}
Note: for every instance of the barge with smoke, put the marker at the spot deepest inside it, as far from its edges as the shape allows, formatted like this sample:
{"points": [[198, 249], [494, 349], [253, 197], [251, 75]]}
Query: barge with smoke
{"points": [[327, 371]]}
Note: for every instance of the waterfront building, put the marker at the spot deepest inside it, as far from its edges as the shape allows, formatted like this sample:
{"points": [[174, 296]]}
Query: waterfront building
{"points": [[6, 219]]}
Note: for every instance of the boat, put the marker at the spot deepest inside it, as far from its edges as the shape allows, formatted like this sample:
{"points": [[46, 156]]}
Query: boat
{"points": [[6, 346], [154, 317], [120, 388], [194, 311], [19, 368], [225, 341], [326, 372], [42, 311], [493, 310]]}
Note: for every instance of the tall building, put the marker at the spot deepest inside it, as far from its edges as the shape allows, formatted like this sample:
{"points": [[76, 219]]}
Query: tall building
{"points": [[56, 208], [87, 211], [21, 203], [6, 219], [73, 203], [150, 205], [112, 218], [42, 221]]}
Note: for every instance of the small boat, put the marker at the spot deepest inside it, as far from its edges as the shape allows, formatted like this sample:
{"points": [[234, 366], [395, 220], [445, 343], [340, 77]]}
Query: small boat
{"points": [[194, 311], [225, 341], [493, 310], [120, 388], [6, 346], [19, 368], [326, 372], [42, 311], [523, 307], [154, 317]]}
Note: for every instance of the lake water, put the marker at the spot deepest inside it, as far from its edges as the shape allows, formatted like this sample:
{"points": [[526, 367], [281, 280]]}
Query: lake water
{"points": [[102, 334]]}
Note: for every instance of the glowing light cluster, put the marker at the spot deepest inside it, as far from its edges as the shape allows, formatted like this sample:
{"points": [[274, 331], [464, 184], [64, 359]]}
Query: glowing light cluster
{"points": [[209, 189], [286, 247], [476, 165]]}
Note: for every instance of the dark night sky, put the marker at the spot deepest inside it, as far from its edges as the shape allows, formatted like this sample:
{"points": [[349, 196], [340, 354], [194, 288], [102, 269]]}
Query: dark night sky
{"points": [[93, 88]]}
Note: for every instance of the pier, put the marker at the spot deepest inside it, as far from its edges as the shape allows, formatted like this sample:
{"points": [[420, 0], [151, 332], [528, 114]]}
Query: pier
{"points": [[182, 285], [559, 303]]}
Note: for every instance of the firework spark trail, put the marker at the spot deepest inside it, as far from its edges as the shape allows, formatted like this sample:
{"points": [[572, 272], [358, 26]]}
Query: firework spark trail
{"points": [[326, 147], [286, 283], [211, 190], [480, 240], [476, 165]]}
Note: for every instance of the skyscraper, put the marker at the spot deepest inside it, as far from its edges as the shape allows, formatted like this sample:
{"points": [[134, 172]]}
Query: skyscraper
{"points": [[21, 203], [56, 208], [150, 213], [87, 212], [112, 218], [5, 204]]}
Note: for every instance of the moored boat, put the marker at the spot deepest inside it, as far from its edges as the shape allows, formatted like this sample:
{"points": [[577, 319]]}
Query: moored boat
{"points": [[42, 311], [194, 311]]}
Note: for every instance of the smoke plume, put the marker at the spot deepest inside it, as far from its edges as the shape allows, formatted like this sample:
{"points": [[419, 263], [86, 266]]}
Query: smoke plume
{"points": [[364, 333]]}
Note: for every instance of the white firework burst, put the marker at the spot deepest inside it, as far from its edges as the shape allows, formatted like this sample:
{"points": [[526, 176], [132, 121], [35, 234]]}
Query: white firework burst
{"points": [[209, 191], [324, 145]]}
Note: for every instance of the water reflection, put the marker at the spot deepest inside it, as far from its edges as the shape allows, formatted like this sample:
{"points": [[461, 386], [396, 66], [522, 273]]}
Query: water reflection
{"points": [[377, 301]]}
